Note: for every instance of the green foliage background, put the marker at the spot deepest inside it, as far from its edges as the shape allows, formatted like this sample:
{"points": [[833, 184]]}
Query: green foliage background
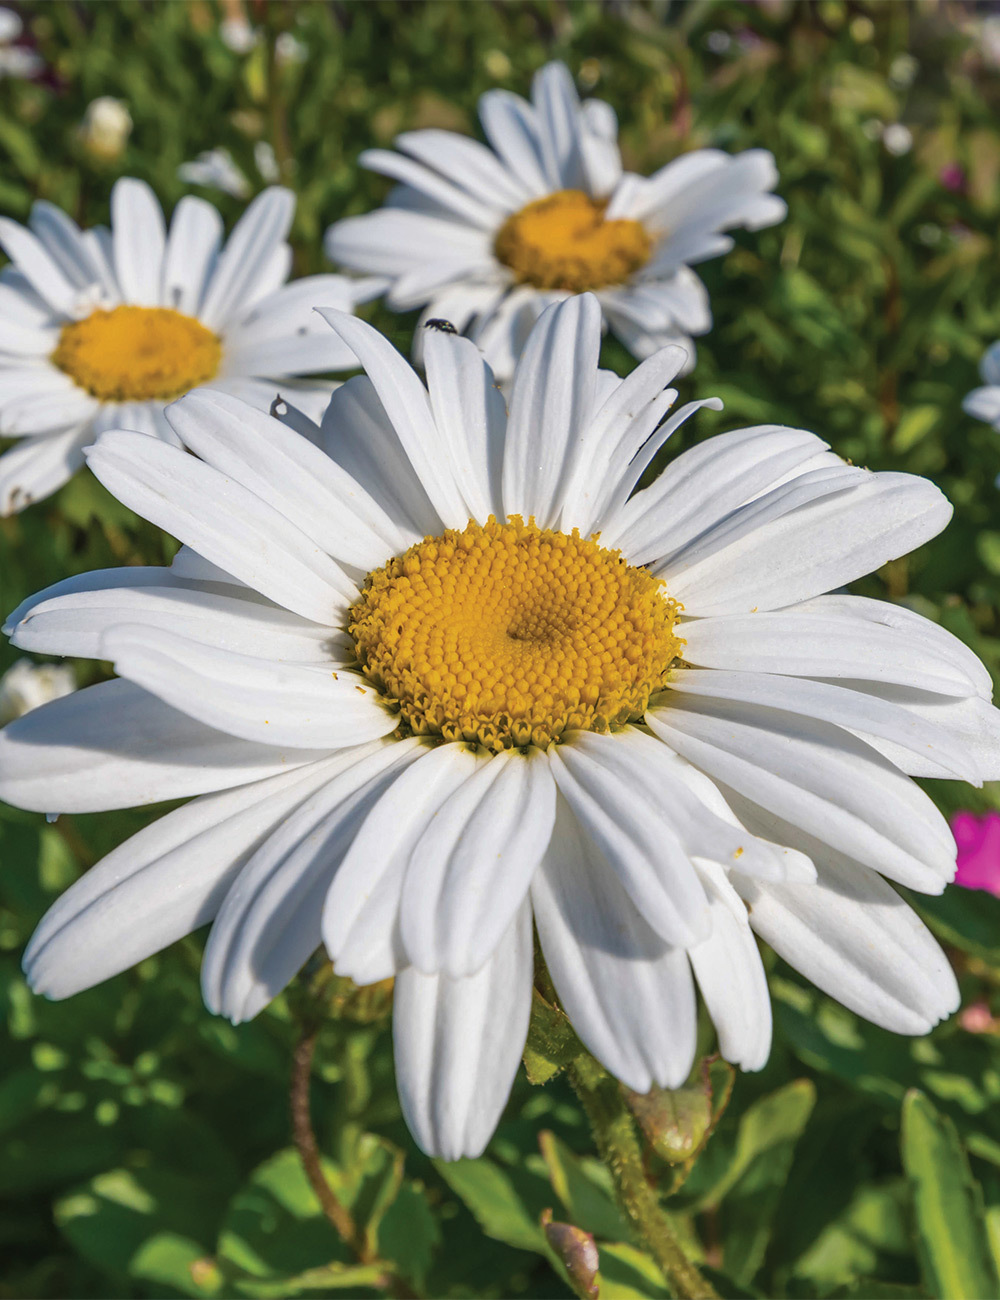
{"points": [[144, 1145]]}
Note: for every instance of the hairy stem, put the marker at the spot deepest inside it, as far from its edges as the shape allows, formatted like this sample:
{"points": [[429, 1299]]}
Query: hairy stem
{"points": [[305, 1142], [621, 1151]]}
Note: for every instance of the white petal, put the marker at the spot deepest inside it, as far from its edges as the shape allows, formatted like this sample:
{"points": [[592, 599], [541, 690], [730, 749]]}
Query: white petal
{"points": [[551, 402], [504, 324], [646, 435], [973, 723], [75, 623], [989, 366], [983, 404], [116, 746], [139, 241], [704, 485], [629, 996], [269, 923], [159, 885], [636, 837], [511, 127], [855, 938], [607, 430], [470, 871], [192, 248], [95, 580], [407, 405], [64, 242], [557, 108], [820, 779], [731, 977], [658, 190], [837, 636], [483, 212], [471, 417], [48, 402], [39, 268], [252, 256], [312, 491], [458, 1043], [821, 531], [468, 164], [602, 163], [305, 706], [394, 243], [222, 521], [360, 916], [37, 467], [854, 710], [358, 435]]}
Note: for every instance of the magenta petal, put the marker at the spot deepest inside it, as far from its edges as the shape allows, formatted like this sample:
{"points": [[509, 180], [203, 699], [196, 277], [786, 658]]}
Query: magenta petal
{"points": [[978, 840]]}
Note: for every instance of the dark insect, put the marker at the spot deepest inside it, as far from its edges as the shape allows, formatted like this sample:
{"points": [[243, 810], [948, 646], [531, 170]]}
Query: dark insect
{"points": [[445, 326]]}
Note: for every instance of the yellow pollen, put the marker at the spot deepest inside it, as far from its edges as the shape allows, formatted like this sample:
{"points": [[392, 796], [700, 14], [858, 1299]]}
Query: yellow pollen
{"points": [[510, 634], [137, 354], [563, 242]]}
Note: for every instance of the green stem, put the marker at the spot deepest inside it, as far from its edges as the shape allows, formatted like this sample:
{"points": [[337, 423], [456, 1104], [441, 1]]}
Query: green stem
{"points": [[621, 1151]]}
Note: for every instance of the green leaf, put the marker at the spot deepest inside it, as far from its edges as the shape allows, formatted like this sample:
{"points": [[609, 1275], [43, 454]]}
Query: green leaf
{"points": [[753, 1185], [552, 1042], [953, 1241], [110, 1218], [578, 1184], [274, 1226], [170, 1260], [627, 1273], [965, 918], [494, 1202], [408, 1234]]}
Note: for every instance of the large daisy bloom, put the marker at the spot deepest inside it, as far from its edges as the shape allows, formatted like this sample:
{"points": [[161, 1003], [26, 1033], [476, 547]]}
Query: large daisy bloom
{"points": [[447, 676], [101, 329], [488, 237]]}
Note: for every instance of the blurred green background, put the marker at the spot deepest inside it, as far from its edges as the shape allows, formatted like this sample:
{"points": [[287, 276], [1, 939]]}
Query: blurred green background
{"points": [[145, 1145]]}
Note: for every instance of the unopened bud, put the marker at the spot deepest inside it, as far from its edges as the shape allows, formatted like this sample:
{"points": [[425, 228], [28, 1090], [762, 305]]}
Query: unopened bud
{"points": [[578, 1252], [106, 127]]}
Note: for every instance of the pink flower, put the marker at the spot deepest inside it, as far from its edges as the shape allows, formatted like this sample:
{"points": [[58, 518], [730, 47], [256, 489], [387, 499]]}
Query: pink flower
{"points": [[978, 840], [952, 177]]}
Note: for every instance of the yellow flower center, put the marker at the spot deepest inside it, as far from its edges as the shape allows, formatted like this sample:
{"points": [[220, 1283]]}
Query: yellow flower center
{"points": [[137, 354], [563, 242], [510, 634]]}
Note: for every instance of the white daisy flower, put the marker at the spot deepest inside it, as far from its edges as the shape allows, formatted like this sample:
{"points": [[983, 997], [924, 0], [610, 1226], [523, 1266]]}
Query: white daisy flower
{"points": [[984, 403], [27, 685], [101, 329], [446, 676], [488, 237], [106, 127]]}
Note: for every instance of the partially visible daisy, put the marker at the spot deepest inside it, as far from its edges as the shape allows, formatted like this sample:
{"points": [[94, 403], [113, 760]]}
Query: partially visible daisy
{"points": [[27, 685], [101, 329], [984, 403], [16, 60], [447, 676], [488, 237]]}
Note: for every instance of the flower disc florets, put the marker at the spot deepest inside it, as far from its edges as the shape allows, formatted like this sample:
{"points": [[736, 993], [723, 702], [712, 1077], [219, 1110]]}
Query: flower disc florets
{"points": [[564, 242], [137, 354], [507, 634]]}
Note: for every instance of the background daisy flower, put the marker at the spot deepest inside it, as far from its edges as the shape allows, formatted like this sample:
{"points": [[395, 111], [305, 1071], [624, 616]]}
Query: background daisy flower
{"points": [[446, 676], [101, 329], [984, 403], [488, 236]]}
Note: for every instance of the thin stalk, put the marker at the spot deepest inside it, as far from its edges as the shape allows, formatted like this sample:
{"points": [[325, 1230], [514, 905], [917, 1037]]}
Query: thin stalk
{"points": [[304, 1137], [305, 1142], [621, 1151]]}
